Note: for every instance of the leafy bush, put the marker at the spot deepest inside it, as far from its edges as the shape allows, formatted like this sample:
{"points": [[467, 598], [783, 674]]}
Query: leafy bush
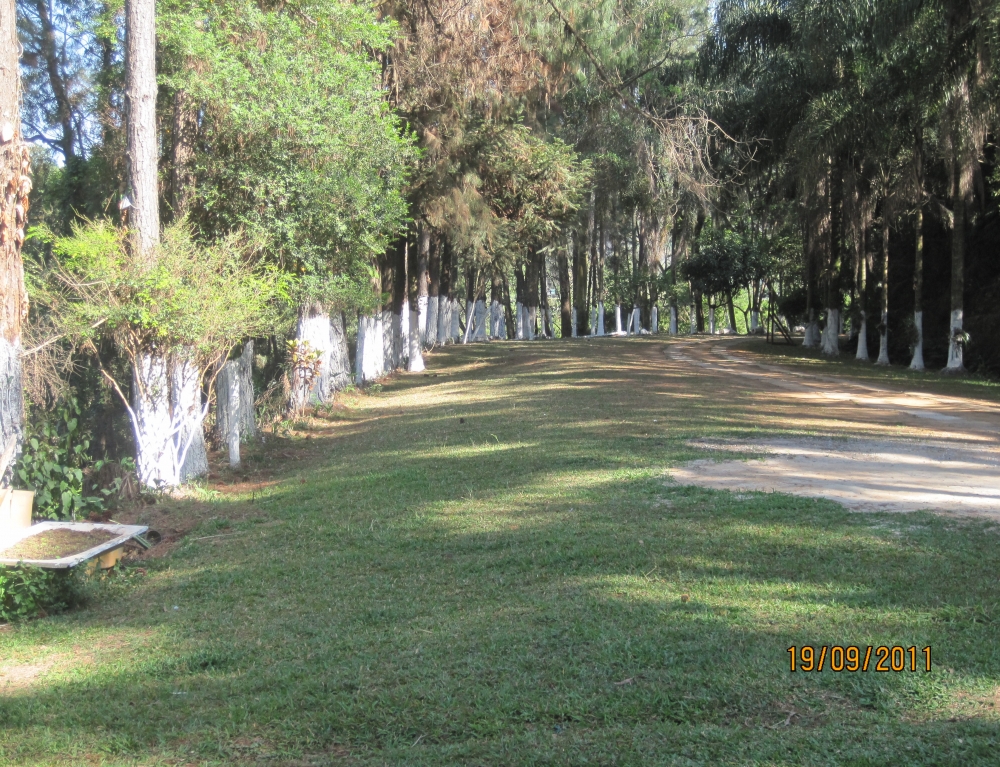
{"points": [[55, 464], [26, 592]]}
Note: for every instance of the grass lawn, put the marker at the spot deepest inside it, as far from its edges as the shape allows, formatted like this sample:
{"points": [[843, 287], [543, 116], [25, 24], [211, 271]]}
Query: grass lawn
{"points": [[488, 565]]}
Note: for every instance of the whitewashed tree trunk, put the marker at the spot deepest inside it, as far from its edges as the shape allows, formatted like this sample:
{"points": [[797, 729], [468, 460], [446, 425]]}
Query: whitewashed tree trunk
{"points": [[404, 333], [480, 317], [456, 330], [470, 320], [636, 320], [387, 334], [444, 320], [399, 336], [151, 413], [415, 363], [711, 320], [234, 403], [498, 324], [155, 458], [370, 357], [519, 321], [421, 323], [431, 334], [863, 339], [188, 417], [530, 321], [15, 188], [654, 321], [618, 318], [673, 320], [754, 321], [573, 326], [831, 341], [600, 318], [883, 342], [323, 334], [228, 404], [11, 388], [955, 348], [917, 363], [693, 325], [811, 338]]}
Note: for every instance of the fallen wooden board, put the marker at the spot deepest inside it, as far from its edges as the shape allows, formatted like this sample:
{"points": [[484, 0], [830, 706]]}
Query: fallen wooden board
{"points": [[123, 534]]}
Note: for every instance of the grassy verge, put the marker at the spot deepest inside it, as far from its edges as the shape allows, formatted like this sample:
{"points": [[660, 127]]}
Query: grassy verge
{"points": [[487, 565]]}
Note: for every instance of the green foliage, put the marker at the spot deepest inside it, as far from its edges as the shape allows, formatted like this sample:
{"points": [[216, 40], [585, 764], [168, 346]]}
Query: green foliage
{"points": [[304, 148], [724, 262], [55, 464], [26, 592], [202, 299]]}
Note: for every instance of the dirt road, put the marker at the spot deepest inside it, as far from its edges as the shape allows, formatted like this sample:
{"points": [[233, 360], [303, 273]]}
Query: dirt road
{"points": [[869, 447]]}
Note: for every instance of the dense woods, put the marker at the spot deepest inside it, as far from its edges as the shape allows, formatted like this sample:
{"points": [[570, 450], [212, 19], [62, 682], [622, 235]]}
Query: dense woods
{"points": [[238, 209]]}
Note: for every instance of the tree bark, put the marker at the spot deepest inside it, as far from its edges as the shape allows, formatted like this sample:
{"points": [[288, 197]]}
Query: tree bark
{"points": [[185, 132], [417, 294], [883, 328], [235, 420], [917, 363], [433, 293], [420, 278], [325, 336], [568, 319], [581, 250], [399, 349], [156, 426], [15, 186], [963, 177], [142, 136]]}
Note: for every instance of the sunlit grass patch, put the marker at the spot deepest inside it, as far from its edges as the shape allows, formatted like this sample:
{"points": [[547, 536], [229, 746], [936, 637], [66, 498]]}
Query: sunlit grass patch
{"points": [[524, 587]]}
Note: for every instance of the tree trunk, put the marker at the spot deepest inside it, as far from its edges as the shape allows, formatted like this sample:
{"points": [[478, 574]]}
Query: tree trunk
{"points": [[456, 307], [400, 305], [416, 285], [732, 313], [581, 249], [917, 363], [863, 293], [325, 336], [234, 403], [444, 297], [184, 134], [433, 294], [883, 328], [154, 428], [420, 284], [508, 309], [369, 359], [956, 338], [532, 302], [15, 186], [498, 329], [568, 318], [188, 415]]}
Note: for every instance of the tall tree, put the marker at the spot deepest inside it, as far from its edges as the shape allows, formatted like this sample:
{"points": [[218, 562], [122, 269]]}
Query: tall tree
{"points": [[15, 186]]}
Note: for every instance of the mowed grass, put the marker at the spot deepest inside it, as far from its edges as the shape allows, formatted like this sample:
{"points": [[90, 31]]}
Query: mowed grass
{"points": [[488, 565]]}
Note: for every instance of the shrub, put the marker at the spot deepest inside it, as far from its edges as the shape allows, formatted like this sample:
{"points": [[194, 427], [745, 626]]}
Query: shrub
{"points": [[56, 464], [26, 592]]}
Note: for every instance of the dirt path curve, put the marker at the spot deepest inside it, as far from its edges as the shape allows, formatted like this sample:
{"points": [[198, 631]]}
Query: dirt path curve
{"points": [[868, 447]]}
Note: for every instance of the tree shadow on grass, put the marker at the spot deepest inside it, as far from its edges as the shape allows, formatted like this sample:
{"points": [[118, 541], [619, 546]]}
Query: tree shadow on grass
{"points": [[423, 602]]}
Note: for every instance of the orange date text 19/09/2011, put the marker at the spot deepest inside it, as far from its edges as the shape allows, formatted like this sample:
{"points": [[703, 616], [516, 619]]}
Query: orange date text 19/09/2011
{"points": [[854, 658]]}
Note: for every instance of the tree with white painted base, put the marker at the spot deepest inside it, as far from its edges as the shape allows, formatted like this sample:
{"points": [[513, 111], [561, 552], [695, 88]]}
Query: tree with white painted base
{"points": [[15, 186], [883, 327]]}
